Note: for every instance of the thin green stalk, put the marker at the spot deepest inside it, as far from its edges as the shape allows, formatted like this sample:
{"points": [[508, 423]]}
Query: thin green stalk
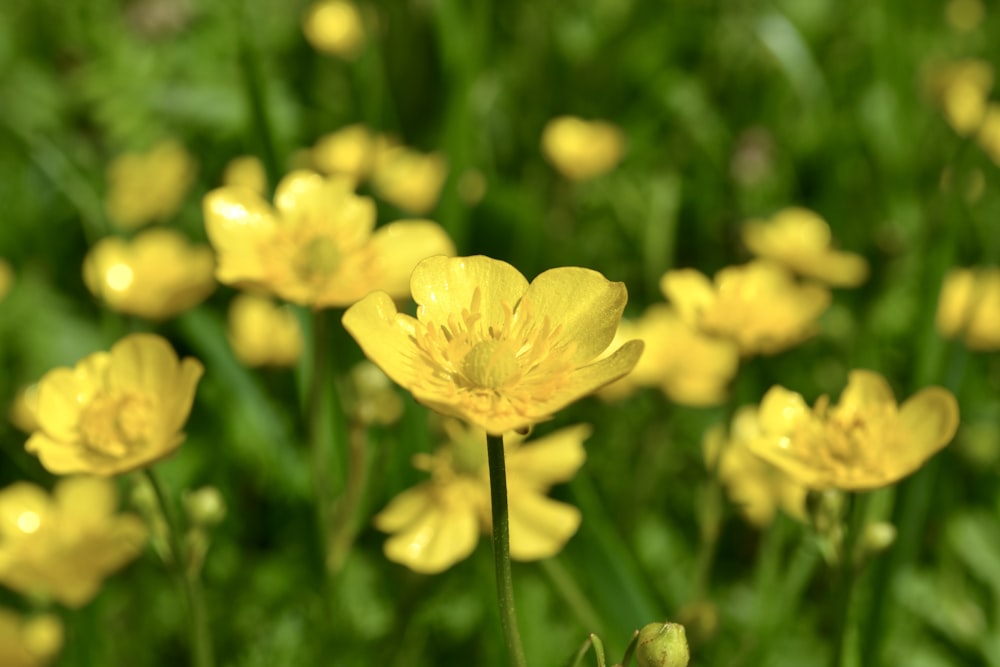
{"points": [[501, 549], [346, 514], [847, 576], [200, 635], [570, 591], [592, 640]]}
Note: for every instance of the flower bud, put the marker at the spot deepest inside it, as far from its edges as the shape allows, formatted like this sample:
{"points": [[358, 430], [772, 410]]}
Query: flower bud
{"points": [[205, 506], [662, 645]]}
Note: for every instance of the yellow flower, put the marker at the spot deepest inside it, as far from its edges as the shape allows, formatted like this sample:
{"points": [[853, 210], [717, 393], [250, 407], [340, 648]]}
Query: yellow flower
{"points": [[758, 488], [148, 187], [758, 305], [262, 333], [24, 409], [29, 642], [335, 27], [63, 546], [580, 149], [864, 442], [989, 133], [316, 246], [350, 151], [114, 411], [689, 367], [409, 179], [491, 349], [800, 240], [156, 275], [6, 278], [438, 523], [964, 15], [969, 307], [961, 88], [247, 172]]}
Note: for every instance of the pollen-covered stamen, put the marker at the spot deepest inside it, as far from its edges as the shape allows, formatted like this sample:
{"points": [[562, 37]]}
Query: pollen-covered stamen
{"points": [[115, 425], [490, 364]]}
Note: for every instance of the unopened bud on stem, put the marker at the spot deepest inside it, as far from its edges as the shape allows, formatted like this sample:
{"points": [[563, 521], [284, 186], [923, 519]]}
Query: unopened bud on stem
{"points": [[662, 645]]}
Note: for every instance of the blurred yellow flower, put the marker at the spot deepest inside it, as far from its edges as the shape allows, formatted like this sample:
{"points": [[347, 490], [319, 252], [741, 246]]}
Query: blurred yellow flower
{"points": [[335, 27], [409, 179], [63, 546], [350, 151], [6, 278], [758, 305], [375, 398], [580, 149], [989, 133], [263, 333], [964, 15], [316, 246], [758, 488], [491, 349], [246, 171], [961, 88], [148, 187], [438, 523], [689, 367], [29, 641], [864, 442], [24, 409], [156, 275], [969, 307], [114, 411], [800, 240]]}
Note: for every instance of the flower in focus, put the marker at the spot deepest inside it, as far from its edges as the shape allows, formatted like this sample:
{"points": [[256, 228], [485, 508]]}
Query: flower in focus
{"points": [[114, 411], [350, 151], [961, 88], [580, 149], [335, 27], [969, 307], [758, 305], [156, 275], [262, 333], [24, 409], [63, 546], [758, 488], [6, 278], [491, 349], [438, 523], [29, 642], [864, 442], [247, 172], [316, 246], [689, 367], [148, 187], [800, 240], [409, 179]]}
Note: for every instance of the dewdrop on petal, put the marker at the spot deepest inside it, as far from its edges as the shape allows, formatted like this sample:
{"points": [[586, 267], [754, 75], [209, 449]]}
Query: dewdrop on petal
{"points": [[335, 27], [662, 645]]}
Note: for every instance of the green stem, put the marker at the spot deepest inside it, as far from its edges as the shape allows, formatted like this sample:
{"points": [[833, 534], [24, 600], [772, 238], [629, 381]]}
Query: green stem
{"points": [[847, 576], [501, 549], [346, 515], [201, 638], [570, 591]]}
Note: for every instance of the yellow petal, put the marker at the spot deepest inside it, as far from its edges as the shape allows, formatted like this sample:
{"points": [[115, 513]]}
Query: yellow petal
{"points": [[550, 460], [404, 509], [539, 526], [56, 456], [385, 336], [177, 404], [146, 362], [443, 286], [88, 500], [586, 305], [588, 379], [399, 246], [780, 410], [59, 403], [238, 222], [930, 419], [865, 390], [690, 292], [24, 508]]}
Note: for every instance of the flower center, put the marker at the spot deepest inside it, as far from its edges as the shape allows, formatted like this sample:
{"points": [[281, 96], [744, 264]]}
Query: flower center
{"points": [[490, 364], [319, 258], [114, 426]]}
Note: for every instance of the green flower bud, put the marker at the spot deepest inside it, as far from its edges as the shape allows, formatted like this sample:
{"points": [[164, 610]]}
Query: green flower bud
{"points": [[205, 506], [662, 645]]}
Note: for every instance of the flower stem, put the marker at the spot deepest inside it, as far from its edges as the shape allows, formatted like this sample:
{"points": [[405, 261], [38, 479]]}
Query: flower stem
{"points": [[501, 549], [200, 636], [847, 576]]}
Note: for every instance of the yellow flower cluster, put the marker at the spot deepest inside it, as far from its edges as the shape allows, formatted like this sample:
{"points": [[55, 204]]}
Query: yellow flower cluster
{"points": [[263, 333], [581, 150], [317, 246], [63, 546], [969, 307], [863, 442], [148, 187], [438, 523], [156, 275], [114, 411], [29, 642], [962, 90], [492, 349]]}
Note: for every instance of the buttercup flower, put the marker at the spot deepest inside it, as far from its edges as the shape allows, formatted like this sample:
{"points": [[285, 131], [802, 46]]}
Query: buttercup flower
{"points": [[114, 411], [156, 275], [29, 642], [689, 367], [316, 246], [350, 151], [758, 488], [63, 546], [438, 523], [247, 172], [962, 89], [800, 240], [864, 442], [409, 179], [580, 149], [335, 27], [491, 349], [758, 305], [969, 307], [6, 278], [148, 187], [24, 409], [263, 333], [989, 133]]}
